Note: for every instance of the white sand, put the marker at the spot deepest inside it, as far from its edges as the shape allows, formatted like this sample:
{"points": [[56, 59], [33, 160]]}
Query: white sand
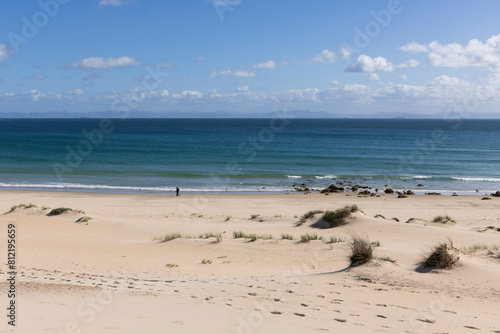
{"points": [[110, 276]]}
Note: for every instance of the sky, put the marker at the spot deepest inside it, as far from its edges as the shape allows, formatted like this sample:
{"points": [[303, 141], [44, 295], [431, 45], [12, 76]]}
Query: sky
{"points": [[250, 56]]}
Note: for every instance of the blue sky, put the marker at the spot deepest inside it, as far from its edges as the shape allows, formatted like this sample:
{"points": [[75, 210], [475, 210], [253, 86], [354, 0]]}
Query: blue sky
{"points": [[359, 57]]}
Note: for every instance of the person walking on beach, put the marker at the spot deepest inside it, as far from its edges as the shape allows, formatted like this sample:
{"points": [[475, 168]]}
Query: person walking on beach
{"points": [[176, 191]]}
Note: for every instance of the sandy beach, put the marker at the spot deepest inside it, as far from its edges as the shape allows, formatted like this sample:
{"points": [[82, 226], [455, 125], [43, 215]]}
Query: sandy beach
{"points": [[112, 273]]}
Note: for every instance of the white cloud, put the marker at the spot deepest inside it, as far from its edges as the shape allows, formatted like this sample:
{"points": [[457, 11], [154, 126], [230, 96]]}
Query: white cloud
{"points": [[329, 57], [409, 63], [475, 53], [365, 63], [187, 94], [221, 3], [116, 3], [268, 65], [38, 76], [200, 58], [77, 91], [4, 53], [402, 77], [371, 77], [243, 89], [234, 74], [414, 47], [104, 63], [335, 82]]}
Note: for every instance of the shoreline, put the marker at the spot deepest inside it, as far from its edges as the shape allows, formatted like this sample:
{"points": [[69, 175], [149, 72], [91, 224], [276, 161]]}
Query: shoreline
{"points": [[196, 282], [417, 192]]}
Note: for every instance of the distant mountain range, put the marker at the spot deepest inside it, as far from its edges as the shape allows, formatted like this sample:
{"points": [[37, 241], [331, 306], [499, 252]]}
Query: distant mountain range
{"points": [[194, 114]]}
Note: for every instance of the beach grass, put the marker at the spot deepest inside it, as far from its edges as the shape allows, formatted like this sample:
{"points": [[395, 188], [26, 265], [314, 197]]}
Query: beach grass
{"points": [[308, 215], [440, 257], [361, 250], [339, 216]]}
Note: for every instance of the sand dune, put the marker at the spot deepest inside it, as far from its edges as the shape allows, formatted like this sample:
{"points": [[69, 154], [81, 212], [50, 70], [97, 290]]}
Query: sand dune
{"points": [[112, 275]]}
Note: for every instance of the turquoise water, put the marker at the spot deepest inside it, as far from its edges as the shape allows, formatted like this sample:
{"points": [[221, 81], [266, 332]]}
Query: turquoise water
{"points": [[248, 155]]}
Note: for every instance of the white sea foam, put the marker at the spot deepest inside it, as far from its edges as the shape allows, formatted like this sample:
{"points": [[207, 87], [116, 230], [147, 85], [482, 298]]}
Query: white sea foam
{"points": [[77, 186], [326, 177], [480, 179], [422, 177], [294, 176]]}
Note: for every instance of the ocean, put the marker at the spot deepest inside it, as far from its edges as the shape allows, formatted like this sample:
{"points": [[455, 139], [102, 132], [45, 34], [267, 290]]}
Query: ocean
{"points": [[248, 155]]}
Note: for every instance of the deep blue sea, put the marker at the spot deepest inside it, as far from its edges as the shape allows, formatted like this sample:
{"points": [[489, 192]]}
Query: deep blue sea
{"points": [[248, 155]]}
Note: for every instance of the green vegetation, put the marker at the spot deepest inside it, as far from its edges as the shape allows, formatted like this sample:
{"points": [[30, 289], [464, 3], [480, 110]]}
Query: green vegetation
{"points": [[440, 257], [308, 215], [308, 237], [217, 236], [171, 265], [375, 243], [410, 220], [388, 259], [379, 216], [206, 261], [443, 220], [252, 237], [361, 250], [83, 219], [21, 206], [58, 211], [339, 216], [170, 237], [287, 236], [334, 240]]}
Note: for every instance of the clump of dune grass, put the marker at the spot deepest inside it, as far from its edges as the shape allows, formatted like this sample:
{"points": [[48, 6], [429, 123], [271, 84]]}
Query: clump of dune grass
{"points": [[361, 250], [286, 236], [334, 240], [481, 247], [375, 243], [227, 218], [58, 211], [206, 261], [410, 220], [21, 206], [171, 236], [379, 216], [443, 219], [217, 236], [253, 217], [308, 237], [442, 256], [83, 219], [307, 215], [252, 237], [171, 265], [339, 216], [387, 259], [12, 209]]}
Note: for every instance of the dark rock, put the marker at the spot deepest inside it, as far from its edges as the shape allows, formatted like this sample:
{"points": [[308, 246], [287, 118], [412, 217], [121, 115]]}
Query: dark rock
{"points": [[497, 194], [486, 199], [433, 193], [389, 191]]}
